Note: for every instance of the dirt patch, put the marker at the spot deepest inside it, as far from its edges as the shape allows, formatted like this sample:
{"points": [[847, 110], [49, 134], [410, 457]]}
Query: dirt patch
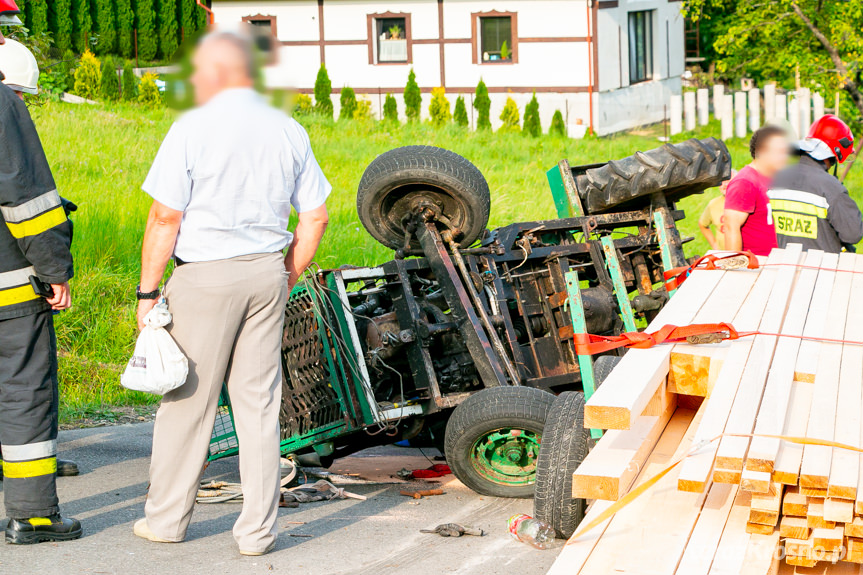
{"points": [[118, 415]]}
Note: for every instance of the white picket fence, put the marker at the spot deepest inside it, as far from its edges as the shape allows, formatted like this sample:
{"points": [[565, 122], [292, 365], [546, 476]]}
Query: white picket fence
{"points": [[742, 112]]}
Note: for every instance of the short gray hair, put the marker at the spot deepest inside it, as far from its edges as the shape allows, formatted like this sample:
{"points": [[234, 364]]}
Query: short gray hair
{"points": [[243, 45]]}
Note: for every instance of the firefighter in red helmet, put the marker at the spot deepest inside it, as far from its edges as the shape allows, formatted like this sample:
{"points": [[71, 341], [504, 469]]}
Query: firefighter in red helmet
{"points": [[808, 205]]}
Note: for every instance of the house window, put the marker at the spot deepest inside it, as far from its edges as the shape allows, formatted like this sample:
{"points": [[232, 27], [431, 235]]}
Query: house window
{"points": [[264, 33], [391, 38], [496, 39], [640, 46]]}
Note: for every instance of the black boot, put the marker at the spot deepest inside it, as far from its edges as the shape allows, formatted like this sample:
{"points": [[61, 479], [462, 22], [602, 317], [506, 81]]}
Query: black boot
{"points": [[66, 468], [39, 529]]}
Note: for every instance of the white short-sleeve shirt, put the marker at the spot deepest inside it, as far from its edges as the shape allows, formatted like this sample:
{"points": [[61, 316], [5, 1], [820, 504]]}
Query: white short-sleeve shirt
{"points": [[235, 167]]}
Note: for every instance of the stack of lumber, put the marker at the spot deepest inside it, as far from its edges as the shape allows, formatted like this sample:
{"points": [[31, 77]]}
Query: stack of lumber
{"points": [[739, 499]]}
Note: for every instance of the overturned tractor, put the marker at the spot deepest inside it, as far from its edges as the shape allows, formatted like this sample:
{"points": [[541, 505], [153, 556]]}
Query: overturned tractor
{"points": [[466, 334]]}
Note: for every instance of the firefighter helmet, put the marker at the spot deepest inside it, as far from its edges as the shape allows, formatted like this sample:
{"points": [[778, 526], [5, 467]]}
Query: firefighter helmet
{"points": [[829, 137], [19, 68], [9, 12]]}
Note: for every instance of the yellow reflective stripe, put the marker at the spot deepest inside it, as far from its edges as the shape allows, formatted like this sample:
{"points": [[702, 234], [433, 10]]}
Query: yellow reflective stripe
{"points": [[799, 207], [17, 295], [39, 521], [38, 224], [25, 469]]}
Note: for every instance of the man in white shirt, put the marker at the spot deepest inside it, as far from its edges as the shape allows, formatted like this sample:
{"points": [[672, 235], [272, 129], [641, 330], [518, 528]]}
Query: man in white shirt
{"points": [[223, 185]]}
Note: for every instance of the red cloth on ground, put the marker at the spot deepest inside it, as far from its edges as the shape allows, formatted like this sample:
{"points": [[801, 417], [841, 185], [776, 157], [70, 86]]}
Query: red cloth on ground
{"points": [[747, 192], [436, 470]]}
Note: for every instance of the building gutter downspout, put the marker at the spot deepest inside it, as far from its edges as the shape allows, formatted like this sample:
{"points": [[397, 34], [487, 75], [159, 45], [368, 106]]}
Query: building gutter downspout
{"points": [[210, 16], [590, 66]]}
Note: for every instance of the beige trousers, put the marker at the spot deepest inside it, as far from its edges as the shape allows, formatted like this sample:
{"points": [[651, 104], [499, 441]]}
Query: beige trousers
{"points": [[228, 319]]}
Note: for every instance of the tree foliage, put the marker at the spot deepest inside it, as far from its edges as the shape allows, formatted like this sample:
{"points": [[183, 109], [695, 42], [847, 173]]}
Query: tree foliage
{"points": [[106, 26], [130, 84], [413, 98], [347, 103], [125, 28], [459, 115], [168, 28], [439, 111], [88, 76], [188, 20], [60, 23], [323, 91], [82, 25], [110, 83], [557, 128], [302, 106], [37, 16], [771, 41], [532, 125], [510, 117], [148, 40], [482, 103], [391, 109]]}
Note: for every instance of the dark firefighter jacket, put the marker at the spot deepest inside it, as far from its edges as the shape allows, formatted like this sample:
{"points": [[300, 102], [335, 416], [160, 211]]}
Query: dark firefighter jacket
{"points": [[35, 235], [811, 207]]}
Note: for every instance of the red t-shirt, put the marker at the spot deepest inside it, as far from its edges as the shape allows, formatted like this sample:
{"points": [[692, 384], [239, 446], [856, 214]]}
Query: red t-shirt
{"points": [[747, 192]]}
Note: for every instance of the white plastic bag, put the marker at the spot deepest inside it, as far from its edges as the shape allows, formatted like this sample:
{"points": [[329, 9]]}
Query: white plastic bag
{"points": [[157, 366]]}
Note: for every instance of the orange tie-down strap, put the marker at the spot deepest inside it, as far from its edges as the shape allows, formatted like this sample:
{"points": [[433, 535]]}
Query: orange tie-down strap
{"points": [[734, 260], [588, 344]]}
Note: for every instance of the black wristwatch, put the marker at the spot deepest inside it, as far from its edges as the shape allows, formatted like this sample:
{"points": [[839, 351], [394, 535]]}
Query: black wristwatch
{"points": [[147, 295]]}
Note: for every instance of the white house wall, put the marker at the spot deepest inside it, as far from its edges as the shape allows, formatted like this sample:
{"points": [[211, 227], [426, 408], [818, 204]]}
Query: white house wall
{"points": [[555, 54]]}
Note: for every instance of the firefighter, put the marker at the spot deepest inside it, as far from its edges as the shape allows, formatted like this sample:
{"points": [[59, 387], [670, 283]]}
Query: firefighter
{"points": [[808, 205], [35, 268]]}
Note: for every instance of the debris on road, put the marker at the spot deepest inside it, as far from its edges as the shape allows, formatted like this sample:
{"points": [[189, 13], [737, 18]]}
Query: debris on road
{"points": [[421, 494], [454, 530]]}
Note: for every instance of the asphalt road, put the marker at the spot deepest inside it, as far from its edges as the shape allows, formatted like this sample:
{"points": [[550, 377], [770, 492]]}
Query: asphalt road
{"points": [[378, 536]]}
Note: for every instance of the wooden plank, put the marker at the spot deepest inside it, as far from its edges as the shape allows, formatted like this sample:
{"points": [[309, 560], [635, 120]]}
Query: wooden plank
{"points": [[794, 527], [845, 464], [815, 517], [656, 545], [799, 547], [731, 452], [610, 468], [762, 557], [577, 552], [816, 463], [828, 539], [695, 471], [755, 481], [854, 528], [728, 559], [777, 391], [838, 510], [855, 550], [794, 503], [694, 369], [786, 470], [708, 529], [632, 384], [759, 529]]}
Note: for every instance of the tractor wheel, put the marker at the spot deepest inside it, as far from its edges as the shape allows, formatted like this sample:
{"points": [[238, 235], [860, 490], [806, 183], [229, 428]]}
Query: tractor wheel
{"points": [[564, 447], [602, 367], [493, 439], [400, 181], [675, 169]]}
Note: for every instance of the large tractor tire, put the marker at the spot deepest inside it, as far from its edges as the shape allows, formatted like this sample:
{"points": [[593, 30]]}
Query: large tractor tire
{"points": [[676, 170], [399, 181], [565, 445], [493, 439]]}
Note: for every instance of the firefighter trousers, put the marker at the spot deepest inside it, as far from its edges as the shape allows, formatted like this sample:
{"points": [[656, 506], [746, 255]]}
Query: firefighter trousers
{"points": [[28, 415]]}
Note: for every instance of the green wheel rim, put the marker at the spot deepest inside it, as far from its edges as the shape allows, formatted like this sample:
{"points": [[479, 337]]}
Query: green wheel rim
{"points": [[507, 456]]}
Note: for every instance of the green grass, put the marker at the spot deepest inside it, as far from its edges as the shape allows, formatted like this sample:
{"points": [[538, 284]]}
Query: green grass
{"points": [[100, 156]]}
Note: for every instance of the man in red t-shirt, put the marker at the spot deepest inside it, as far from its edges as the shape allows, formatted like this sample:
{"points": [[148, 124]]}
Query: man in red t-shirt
{"points": [[749, 224]]}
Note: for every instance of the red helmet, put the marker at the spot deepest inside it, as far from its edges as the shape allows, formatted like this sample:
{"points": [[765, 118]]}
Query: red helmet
{"points": [[8, 7], [835, 134], [9, 12]]}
